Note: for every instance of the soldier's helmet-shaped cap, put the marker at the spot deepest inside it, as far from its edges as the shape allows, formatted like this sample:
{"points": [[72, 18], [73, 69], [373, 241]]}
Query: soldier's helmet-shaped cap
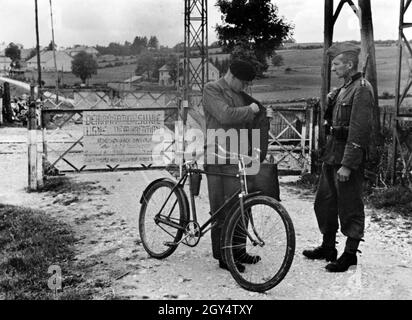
{"points": [[242, 70], [345, 47]]}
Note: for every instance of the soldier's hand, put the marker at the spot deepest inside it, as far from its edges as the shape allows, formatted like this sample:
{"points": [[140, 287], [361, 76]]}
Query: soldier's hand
{"points": [[254, 107], [344, 174]]}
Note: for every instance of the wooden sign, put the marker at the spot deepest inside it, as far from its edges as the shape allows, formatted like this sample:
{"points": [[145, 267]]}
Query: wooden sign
{"points": [[121, 136]]}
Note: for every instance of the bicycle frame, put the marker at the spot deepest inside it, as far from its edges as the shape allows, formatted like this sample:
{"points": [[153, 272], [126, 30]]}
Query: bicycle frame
{"points": [[241, 193]]}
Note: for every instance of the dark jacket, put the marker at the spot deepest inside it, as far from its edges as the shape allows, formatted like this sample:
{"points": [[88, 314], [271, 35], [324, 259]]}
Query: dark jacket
{"points": [[352, 112]]}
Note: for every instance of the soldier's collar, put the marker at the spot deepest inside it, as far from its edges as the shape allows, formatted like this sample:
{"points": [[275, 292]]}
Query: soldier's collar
{"points": [[355, 77]]}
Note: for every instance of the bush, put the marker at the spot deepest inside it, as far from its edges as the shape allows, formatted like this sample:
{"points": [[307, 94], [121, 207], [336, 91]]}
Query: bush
{"points": [[398, 198]]}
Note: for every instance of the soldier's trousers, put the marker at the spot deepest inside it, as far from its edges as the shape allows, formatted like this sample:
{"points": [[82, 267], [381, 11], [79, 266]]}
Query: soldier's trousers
{"points": [[341, 201]]}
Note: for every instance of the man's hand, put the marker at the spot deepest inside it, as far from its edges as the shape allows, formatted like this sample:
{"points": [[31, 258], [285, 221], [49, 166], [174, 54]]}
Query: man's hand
{"points": [[255, 108], [344, 174]]}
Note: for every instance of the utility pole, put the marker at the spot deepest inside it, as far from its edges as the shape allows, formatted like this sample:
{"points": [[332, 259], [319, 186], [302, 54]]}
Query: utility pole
{"points": [[54, 52], [38, 48]]}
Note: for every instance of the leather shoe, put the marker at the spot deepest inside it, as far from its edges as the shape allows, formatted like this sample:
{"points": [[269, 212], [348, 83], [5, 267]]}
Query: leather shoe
{"points": [[321, 253], [343, 263], [239, 266]]}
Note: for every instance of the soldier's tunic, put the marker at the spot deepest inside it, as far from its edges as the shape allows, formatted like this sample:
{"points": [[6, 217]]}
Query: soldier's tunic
{"points": [[346, 146]]}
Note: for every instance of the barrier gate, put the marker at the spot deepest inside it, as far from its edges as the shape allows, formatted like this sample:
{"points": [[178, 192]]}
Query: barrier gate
{"points": [[67, 137]]}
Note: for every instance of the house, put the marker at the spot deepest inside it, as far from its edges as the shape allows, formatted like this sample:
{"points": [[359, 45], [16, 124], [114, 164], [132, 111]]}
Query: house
{"points": [[4, 64], [214, 73], [63, 61], [90, 50], [164, 76]]}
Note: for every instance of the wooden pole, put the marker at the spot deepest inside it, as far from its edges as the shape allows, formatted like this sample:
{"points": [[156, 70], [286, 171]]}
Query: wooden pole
{"points": [[38, 47], [32, 142], [326, 66], [397, 91], [368, 48]]}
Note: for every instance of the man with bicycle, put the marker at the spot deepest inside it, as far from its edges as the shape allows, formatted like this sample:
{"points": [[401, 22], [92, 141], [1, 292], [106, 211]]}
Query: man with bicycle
{"points": [[339, 194], [227, 107]]}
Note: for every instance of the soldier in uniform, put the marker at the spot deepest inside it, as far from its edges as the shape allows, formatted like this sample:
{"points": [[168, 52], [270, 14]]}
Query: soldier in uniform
{"points": [[227, 107], [348, 128]]}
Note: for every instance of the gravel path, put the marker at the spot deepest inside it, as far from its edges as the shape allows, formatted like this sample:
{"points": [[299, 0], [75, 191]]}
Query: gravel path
{"points": [[103, 211]]}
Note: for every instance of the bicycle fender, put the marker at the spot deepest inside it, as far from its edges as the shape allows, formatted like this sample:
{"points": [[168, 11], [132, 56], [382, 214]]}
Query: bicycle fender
{"points": [[234, 207]]}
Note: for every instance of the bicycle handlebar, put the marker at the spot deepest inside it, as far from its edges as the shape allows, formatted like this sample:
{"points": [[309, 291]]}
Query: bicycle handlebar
{"points": [[229, 155]]}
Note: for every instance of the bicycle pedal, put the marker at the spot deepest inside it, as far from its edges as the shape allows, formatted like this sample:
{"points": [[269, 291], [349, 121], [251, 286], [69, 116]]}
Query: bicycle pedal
{"points": [[170, 244]]}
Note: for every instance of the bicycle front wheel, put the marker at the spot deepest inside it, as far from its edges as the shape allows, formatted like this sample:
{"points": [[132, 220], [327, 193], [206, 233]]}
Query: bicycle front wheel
{"points": [[163, 215], [266, 232]]}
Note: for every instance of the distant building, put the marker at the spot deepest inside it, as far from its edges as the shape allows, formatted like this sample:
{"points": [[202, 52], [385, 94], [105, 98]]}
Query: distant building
{"points": [[74, 51], [63, 61], [164, 75], [4, 64]]}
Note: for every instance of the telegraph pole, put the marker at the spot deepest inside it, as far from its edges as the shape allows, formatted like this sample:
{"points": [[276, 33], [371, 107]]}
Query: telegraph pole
{"points": [[54, 52], [38, 48]]}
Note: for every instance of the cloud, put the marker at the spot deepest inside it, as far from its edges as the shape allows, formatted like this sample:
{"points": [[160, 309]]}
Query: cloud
{"points": [[102, 21]]}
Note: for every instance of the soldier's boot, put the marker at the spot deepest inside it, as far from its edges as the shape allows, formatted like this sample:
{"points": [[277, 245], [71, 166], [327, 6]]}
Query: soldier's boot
{"points": [[321, 253], [343, 263], [326, 251], [347, 259]]}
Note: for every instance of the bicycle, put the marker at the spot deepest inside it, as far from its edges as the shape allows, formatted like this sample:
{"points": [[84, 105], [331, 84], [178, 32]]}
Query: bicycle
{"points": [[251, 217]]}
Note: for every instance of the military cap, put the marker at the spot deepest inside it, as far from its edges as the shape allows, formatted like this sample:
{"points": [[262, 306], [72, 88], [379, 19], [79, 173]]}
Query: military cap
{"points": [[339, 48], [242, 70]]}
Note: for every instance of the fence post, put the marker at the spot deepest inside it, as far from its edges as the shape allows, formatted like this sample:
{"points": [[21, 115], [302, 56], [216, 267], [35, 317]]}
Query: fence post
{"points": [[32, 142], [1, 105]]}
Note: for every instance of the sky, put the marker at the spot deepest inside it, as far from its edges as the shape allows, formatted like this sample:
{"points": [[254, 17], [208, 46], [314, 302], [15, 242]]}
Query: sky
{"points": [[93, 22]]}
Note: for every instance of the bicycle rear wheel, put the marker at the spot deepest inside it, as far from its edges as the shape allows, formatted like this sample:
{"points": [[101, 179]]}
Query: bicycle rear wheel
{"points": [[162, 206], [267, 222]]}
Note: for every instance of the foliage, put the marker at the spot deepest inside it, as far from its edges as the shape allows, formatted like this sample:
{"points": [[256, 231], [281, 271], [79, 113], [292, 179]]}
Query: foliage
{"points": [[397, 198], [277, 60], [153, 43], [84, 66], [172, 64], [146, 64], [253, 25], [50, 46], [13, 52]]}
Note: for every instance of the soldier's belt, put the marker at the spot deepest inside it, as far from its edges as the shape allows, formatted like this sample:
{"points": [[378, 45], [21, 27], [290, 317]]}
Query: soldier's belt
{"points": [[340, 133]]}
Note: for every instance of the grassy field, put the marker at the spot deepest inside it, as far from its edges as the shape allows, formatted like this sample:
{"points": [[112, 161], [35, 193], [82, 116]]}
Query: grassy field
{"points": [[299, 77], [304, 78]]}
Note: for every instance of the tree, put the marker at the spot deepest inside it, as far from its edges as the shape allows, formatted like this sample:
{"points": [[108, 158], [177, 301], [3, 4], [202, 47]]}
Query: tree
{"points": [[50, 46], [145, 64], [153, 43], [173, 71], [277, 60], [253, 25], [13, 52], [84, 66], [139, 44]]}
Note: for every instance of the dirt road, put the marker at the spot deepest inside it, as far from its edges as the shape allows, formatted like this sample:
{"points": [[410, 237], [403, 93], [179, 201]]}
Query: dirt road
{"points": [[103, 211]]}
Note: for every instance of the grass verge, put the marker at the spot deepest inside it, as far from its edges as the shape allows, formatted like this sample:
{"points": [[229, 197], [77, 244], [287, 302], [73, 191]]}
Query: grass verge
{"points": [[31, 242]]}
